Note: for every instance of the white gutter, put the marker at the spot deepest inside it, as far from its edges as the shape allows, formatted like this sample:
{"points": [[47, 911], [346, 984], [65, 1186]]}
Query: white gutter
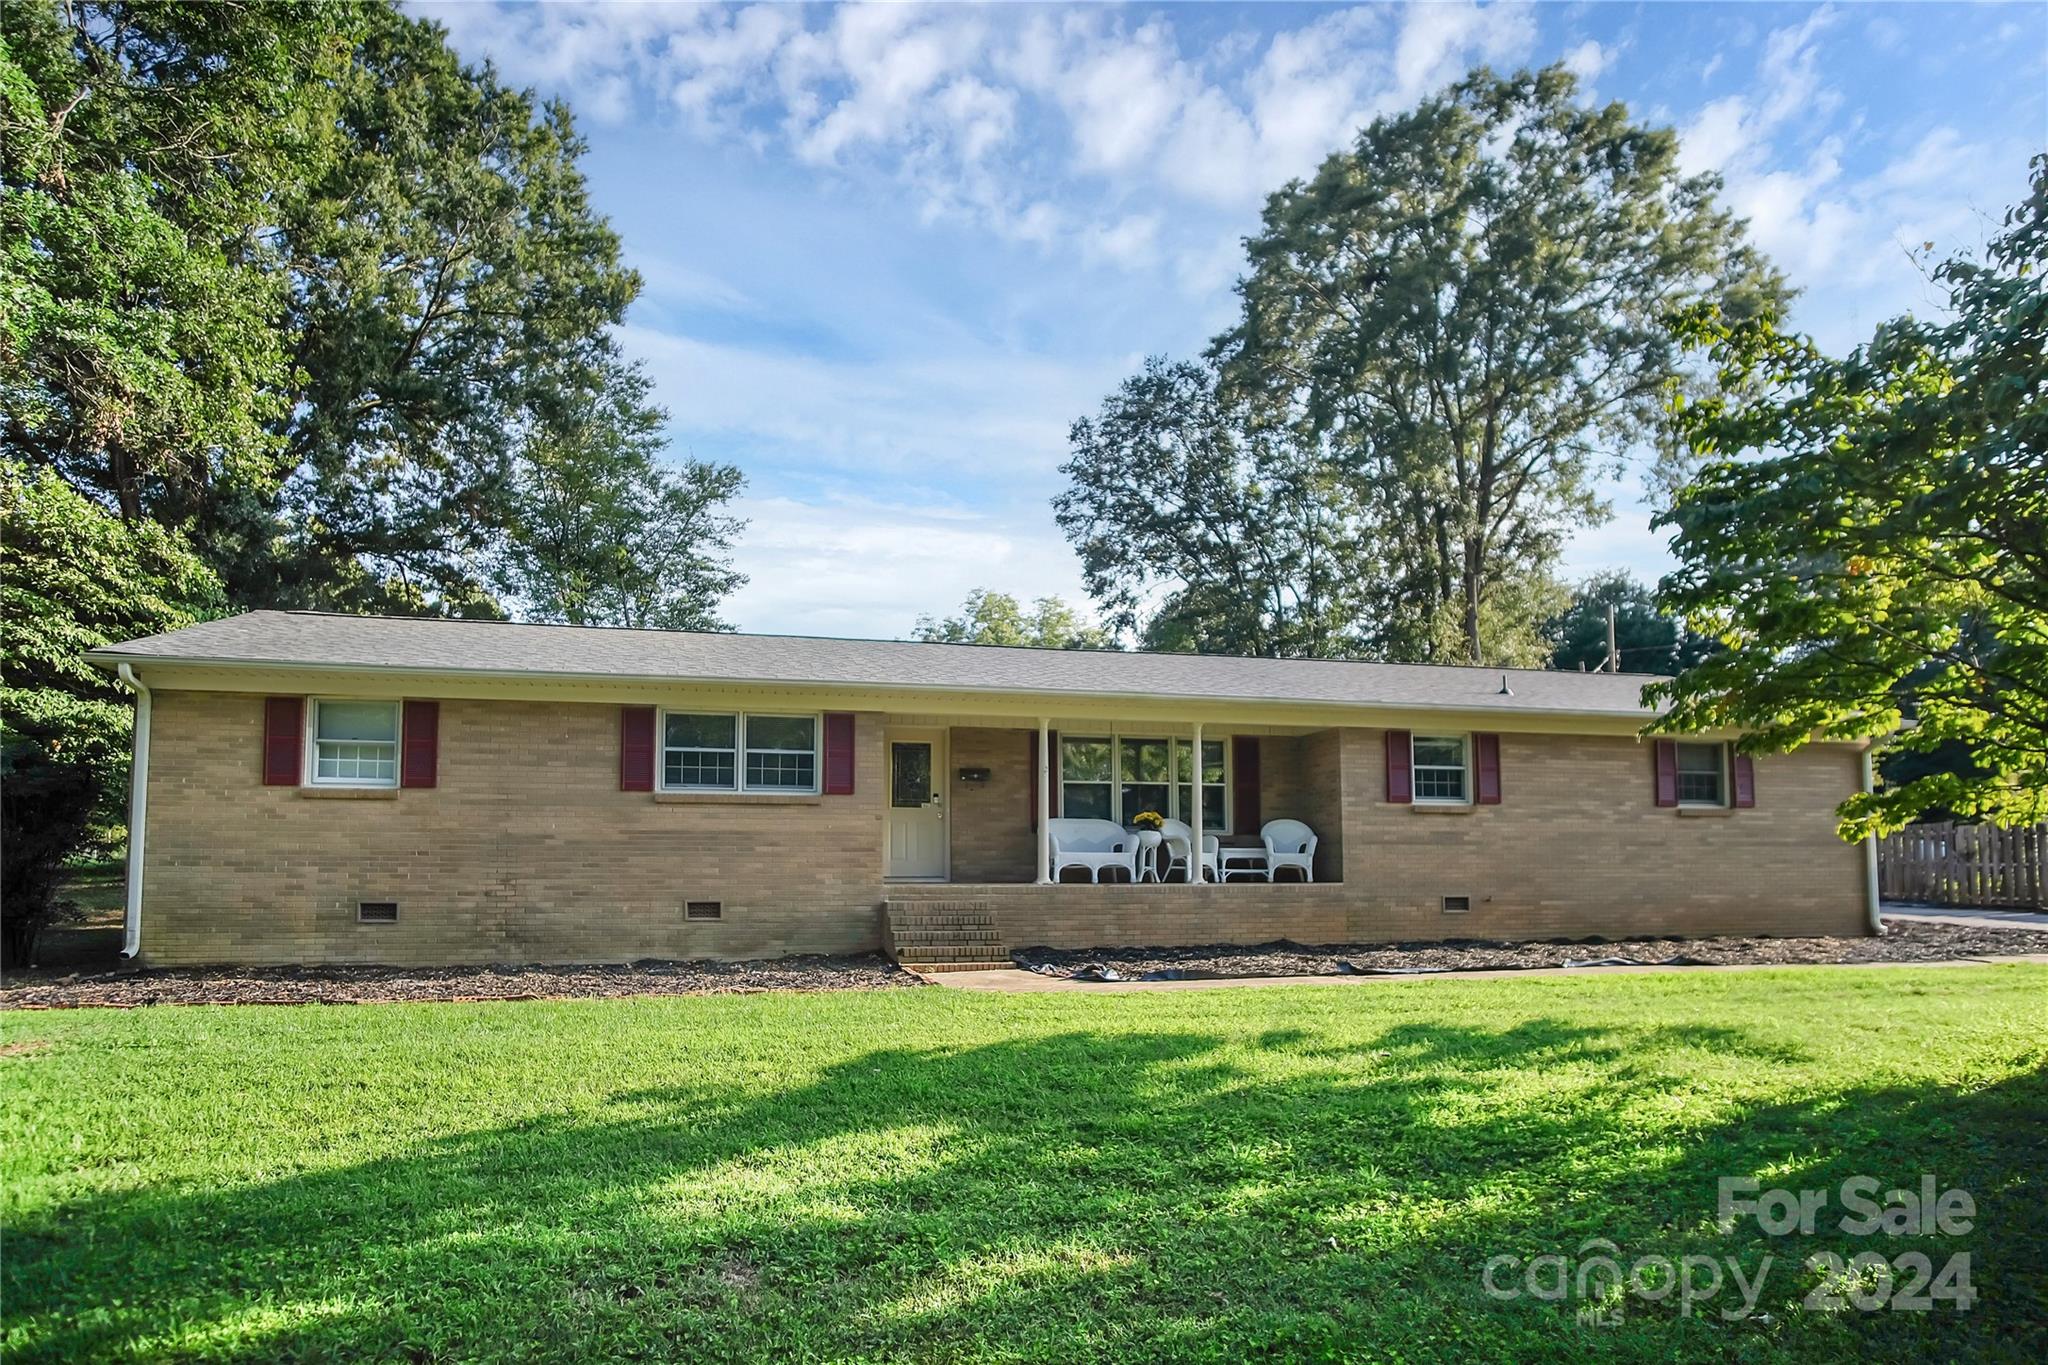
{"points": [[138, 814], [1873, 914]]}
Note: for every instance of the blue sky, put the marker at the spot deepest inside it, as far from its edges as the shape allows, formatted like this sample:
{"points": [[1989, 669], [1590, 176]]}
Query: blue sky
{"points": [[892, 252]]}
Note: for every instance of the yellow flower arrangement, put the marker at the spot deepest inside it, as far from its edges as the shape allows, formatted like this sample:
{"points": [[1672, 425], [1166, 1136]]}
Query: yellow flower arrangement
{"points": [[1148, 819]]}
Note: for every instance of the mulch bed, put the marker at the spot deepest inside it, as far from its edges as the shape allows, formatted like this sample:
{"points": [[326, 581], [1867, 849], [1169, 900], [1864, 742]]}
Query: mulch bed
{"points": [[1902, 942], [368, 985]]}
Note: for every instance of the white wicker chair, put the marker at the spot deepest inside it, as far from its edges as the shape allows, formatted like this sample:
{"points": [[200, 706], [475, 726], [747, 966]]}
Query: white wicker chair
{"points": [[1177, 837], [1093, 844], [1289, 843]]}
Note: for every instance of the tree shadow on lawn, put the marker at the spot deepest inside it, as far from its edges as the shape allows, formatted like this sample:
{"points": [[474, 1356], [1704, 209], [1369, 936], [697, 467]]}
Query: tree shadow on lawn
{"points": [[1088, 1195]]}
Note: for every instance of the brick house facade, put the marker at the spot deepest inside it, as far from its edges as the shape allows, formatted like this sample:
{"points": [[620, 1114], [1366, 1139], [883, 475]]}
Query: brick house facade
{"points": [[522, 831]]}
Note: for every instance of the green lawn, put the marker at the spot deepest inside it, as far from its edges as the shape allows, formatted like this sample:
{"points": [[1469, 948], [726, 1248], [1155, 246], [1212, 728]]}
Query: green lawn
{"points": [[1300, 1173]]}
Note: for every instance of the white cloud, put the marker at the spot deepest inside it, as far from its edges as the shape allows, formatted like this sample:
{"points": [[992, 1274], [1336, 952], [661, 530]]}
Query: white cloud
{"points": [[849, 565], [1588, 60]]}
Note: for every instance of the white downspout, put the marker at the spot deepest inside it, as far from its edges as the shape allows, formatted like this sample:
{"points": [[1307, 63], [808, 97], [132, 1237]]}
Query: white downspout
{"points": [[1873, 913], [1044, 801], [138, 813]]}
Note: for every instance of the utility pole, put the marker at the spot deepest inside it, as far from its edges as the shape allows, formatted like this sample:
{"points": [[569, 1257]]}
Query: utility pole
{"points": [[1613, 654]]}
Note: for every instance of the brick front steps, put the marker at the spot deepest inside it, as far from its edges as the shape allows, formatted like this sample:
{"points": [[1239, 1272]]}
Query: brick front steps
{"points": [[945, 935]]}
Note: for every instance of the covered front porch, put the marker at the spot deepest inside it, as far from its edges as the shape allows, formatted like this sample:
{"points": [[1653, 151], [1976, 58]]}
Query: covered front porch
{"points": [[974, 803]]}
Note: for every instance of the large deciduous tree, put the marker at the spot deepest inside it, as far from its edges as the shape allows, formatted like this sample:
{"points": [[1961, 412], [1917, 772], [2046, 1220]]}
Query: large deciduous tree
{"points": [[1468, 310], [1869, 538], [1249, 539], [449, 281], [602, 531], [145, 152]]}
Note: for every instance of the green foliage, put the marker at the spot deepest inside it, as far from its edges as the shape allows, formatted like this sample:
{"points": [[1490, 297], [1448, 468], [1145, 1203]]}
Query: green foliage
{"points": [[451, 296], [295, 281], [1312, 1174], [996, 618], [603, 533], [143, 148], [1468, 312], [72, 577], [1248, 533], [1870, 538], [1650, 640]]}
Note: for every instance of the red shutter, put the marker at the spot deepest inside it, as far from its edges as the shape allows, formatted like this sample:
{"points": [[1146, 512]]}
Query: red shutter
{"points": [[636, 748], [1667, 772], [1487, 760], [420, 762], [839, 753], [1244, 783], [1400, 768], [284, 740], [1745, 780]]}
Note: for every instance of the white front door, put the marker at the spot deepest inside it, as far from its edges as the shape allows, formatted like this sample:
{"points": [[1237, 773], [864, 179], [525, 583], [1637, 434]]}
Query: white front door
{"points": [[917, 805]]}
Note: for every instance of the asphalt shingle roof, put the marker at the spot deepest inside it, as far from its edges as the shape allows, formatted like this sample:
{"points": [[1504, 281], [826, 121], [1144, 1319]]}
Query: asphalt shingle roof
{"points": [[322, 640]]}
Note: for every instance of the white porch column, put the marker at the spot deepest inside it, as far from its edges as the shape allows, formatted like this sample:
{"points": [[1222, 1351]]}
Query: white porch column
{"points": [[1195, 816], [1044, 801]]}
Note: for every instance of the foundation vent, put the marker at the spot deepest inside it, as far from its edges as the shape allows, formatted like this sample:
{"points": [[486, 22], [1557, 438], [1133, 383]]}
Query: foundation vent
{"points": [[703, 909], [1457, 905], [377, 912]]}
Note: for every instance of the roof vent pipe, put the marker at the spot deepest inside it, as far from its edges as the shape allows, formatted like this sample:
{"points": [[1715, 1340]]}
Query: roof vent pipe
{"points": [[1505, 690]]}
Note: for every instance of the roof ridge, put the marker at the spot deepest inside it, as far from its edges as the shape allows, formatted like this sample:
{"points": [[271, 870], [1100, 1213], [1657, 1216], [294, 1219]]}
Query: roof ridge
{"points": [[669, 633]]}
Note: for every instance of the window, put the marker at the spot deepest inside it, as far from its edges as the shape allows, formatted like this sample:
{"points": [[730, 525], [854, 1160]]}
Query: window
{"points": [[355, 743], [1087, 773], [1440, 768], [697, 752], [1143, 784], [1214, 792], [1702, 775], [722, 752], [1115, 779], [782, 753]]}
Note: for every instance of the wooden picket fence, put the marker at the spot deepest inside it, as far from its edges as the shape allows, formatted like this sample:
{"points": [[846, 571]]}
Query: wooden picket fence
{"points": [[1965, 865]]}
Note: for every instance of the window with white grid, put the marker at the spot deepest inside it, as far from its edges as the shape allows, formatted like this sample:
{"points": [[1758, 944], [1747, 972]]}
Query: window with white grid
{"points": [[355, 743], [1440, 767]]}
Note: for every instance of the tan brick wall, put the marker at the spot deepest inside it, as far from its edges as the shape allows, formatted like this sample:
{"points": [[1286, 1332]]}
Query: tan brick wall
{"points": [[526, 851], [1578, 847], [991, 833]]}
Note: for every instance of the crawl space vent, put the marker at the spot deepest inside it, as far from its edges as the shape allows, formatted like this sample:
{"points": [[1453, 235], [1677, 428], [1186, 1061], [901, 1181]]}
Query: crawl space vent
{"points": [[1457, 905], [703, 910], [377, 912]]}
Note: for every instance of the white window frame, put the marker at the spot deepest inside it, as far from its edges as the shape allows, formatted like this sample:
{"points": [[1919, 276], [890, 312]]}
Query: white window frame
{"points": [[739, 786], [1678, 775], [1415, 795], [309, 755], [1115, 739]]}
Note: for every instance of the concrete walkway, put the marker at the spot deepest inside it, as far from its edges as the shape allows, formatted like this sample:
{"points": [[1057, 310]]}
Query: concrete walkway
{"points": [[1016, 981], [1977, 919]]}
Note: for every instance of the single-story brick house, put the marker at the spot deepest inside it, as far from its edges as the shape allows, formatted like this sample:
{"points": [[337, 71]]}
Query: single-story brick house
{"points": [[322, 788]]}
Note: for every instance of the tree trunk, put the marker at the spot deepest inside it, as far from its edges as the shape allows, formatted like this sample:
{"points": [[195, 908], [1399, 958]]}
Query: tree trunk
{"points": [[1473, 564]]}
